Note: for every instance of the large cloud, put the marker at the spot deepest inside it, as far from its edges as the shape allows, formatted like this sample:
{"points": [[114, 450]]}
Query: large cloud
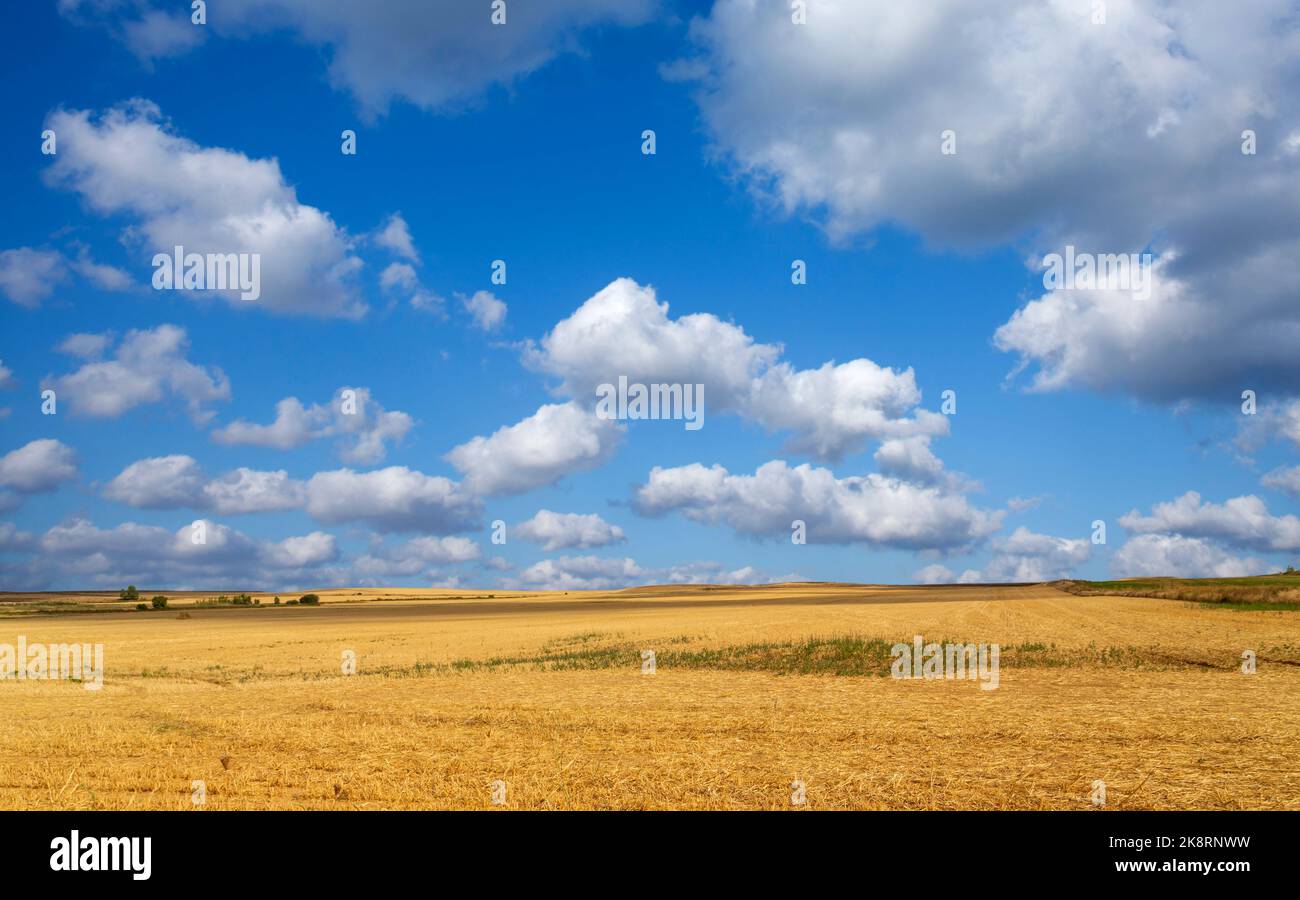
{"points": [[579, 573], [557, 440], [147, 367], [564, 531], [872, 509], [1108, 136], [624, 330], [127, 162], [414, 557], [38, 466], [1156, 555], [149, 556], [175, 482], [392, 499], [363, 426], [433, 53], [1241, 521], [1025, 555]]}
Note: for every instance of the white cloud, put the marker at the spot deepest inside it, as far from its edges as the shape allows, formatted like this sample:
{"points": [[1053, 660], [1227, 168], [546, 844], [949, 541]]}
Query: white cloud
{"points": [[557, 440], [12, 539], [910, 459], [38, 466], [392, 499], [841, 119], [154, 557], [871, 509], [1272, 420], [415, 557], [364, 433], [564, 531], [29, 276], [1172, 555], [829, 411], [435, 54], [110, 278], [487, 310], [173, 482], [86, 346], [401, 278], [1242, 521], [161, 482], [395, 236], [398, 275], [933, 574], [127, 162], [579, 573], [1286, 480], [588, 573], [146, 367], [7, 380], [159, 35], [1025, 556]]}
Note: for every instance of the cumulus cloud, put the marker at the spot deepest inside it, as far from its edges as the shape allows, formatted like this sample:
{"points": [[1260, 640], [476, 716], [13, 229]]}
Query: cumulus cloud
{"points": [[842, 119], [415, 557], [392, 499], [364, 428], [38, 467], [487, 311], [174, 482], [828, 412], [78, 550], [579, 573], [1025, 556], [436, 55], [588, 573], [872, 509], [147, 367], [1286, 480], [933, 574], [127, 162], [1242, 521], [910, 459], [1166, 555], [557, 440], [564, 531]]}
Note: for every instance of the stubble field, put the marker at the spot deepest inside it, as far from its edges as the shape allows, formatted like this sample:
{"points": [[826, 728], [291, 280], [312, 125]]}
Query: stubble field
{"points": [[753, 690]]}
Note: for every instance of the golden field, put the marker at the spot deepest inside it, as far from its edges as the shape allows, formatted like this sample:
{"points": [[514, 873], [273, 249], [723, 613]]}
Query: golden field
{"points": [[544, 691]]}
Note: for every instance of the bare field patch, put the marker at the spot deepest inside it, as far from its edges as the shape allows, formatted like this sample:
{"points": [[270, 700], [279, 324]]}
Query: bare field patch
{"points": [[754, 688]]}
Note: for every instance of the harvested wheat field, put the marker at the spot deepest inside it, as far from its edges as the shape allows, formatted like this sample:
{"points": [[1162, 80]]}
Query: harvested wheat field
{"points": [[753, 689]]}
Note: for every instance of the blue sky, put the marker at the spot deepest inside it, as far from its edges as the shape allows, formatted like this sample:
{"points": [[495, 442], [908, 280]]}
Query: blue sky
{"points": [[772, 144]]}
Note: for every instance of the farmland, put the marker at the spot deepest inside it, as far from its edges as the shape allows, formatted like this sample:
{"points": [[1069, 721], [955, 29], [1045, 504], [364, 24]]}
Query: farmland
{"points": [[546, 698]]}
